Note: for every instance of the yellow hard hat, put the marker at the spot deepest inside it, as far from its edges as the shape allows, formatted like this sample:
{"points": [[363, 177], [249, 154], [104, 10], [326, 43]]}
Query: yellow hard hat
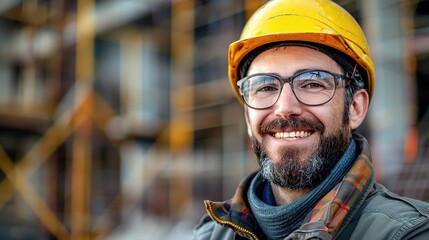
{"points": [[312, 21]]}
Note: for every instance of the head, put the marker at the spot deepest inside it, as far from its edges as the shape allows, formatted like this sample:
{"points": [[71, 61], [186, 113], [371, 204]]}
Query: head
{"points": [[299, 137], [298, 144]]}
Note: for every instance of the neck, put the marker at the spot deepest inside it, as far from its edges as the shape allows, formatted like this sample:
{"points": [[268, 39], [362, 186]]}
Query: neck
{"points": [[285, 196]]}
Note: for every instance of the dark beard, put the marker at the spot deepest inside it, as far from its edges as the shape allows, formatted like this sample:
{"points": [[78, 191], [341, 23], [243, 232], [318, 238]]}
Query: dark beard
{"points": [[292, 173]]}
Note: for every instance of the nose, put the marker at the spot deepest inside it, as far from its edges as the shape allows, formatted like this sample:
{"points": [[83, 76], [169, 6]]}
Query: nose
{"points": [[287, 104]]}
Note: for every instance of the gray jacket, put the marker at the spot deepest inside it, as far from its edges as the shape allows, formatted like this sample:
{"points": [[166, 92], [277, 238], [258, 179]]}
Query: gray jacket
{"points": [[375, 214], [383, 215]]}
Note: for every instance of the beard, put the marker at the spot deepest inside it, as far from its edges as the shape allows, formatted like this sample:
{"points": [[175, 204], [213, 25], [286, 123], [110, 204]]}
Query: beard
{"points": [[291, 171]]}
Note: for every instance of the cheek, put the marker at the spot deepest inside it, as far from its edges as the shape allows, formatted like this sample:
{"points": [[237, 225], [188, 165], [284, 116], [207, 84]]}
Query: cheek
{"points": [[249, 121], [332, 115], [254, 119]]}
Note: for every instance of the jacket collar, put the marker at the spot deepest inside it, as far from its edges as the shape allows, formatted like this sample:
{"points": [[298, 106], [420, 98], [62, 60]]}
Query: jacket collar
{"points": [[235, 212]]}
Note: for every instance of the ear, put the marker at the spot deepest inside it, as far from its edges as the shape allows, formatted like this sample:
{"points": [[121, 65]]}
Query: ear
{"points": [[246, 117], [358, 108]]}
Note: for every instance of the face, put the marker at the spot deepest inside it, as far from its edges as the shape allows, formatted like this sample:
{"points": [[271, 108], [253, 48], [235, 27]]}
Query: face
{"points": [[297, 145]]}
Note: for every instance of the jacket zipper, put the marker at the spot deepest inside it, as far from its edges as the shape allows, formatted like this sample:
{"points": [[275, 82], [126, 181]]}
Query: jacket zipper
{"points": [[235, 226]]}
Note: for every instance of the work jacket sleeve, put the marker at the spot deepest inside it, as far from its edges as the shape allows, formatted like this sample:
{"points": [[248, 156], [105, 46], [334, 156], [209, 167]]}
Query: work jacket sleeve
{"points": [[207, 229], [390, 216]]}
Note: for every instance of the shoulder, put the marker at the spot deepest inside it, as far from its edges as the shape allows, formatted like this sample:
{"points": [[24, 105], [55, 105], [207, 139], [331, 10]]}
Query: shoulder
{"points": [[390, 216], [208, 229]]}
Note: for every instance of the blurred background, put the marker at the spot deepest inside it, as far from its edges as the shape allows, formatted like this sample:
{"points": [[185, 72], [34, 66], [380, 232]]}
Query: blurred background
{"points": [[117, 119]]}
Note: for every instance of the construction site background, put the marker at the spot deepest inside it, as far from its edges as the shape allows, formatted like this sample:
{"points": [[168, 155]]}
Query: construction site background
{"points": [[117, 119]]}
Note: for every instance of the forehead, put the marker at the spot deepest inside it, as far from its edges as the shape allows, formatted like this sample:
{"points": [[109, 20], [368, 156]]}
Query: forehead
{"points": [[287, 60]]}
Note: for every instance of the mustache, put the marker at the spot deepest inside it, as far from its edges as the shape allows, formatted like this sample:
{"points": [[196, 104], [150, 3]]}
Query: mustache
{"points": [[291, 122]]}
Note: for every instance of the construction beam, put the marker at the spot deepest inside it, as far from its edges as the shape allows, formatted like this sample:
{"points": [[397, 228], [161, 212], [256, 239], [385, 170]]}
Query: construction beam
{"points": [[81, 155]]}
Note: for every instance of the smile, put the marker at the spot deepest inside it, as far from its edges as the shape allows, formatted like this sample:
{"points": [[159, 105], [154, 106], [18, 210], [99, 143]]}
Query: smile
{"points": [[291, 135]]}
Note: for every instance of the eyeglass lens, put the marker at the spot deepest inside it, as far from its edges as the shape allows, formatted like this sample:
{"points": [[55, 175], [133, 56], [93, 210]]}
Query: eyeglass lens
{"points": [[310, 87]]}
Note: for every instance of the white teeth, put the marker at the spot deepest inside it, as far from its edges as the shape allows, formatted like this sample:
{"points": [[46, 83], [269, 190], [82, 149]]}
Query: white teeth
{"points": [[292, 135]]}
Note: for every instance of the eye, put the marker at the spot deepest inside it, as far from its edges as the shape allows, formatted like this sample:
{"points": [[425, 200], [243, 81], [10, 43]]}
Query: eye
{"points": [[267, 88], [312, 84], [314, 81], [263, 84]]}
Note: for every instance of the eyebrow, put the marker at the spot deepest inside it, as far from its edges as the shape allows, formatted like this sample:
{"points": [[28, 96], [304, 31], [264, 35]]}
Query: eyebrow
{"points": [[300, 71], [305, 69]]}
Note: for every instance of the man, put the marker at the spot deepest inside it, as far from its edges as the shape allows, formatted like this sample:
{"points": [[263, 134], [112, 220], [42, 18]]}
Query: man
{"points": [[303, 71]]}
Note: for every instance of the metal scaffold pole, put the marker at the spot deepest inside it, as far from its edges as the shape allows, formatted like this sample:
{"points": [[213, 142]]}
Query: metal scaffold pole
{"points": [[182, 100], [391, 107], [81, 156]]}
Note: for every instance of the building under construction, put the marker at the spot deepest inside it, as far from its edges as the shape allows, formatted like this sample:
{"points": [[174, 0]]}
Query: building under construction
{"points": [[117, 118]]}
